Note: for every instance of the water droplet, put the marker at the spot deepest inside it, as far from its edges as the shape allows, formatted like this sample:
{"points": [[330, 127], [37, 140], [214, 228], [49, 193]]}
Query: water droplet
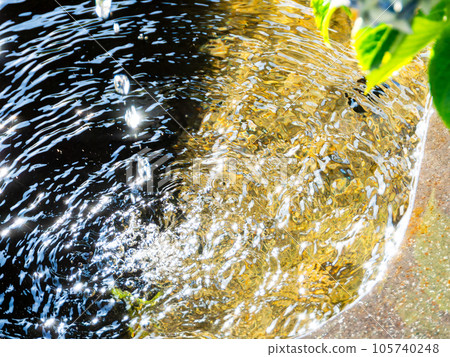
{"points": [[121, 84], [103, 8], [398, 6], [132, 117], [116, 27]]}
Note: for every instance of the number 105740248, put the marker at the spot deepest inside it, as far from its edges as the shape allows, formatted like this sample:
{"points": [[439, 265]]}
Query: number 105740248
{"points": [[405, 348]]}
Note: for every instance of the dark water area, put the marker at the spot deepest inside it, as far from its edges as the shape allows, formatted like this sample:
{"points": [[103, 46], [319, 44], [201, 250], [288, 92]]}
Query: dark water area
{"points": [[65, 147]]}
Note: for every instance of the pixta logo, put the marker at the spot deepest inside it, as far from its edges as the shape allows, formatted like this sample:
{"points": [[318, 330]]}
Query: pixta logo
{"points": [[230, 171], [148, 170]]}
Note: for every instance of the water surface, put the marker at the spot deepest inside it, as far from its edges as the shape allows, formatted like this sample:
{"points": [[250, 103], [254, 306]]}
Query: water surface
{"points": [[276, 208]]}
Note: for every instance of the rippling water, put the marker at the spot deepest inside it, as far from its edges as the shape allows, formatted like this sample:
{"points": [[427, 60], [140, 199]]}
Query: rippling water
{"points": [[274, 209]]}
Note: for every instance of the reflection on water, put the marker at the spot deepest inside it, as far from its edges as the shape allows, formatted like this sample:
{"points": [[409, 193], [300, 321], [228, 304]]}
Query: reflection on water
{"points": [[278, 212]]}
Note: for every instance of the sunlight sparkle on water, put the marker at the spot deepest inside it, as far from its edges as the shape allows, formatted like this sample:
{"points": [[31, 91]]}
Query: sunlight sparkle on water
{"points": [[132, 117], [49, 322], [19, 222], [3, 172]]}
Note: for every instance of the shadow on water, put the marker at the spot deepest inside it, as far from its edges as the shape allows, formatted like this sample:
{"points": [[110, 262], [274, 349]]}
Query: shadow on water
{"points": [[65, 146]]}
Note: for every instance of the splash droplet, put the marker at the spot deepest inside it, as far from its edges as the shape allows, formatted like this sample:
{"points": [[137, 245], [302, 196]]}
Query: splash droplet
{"points": [[103, 8], [121, 84]]}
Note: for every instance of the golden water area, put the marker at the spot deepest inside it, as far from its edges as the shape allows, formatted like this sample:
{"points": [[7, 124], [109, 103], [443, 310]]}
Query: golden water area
{"points": [[292, 190]]}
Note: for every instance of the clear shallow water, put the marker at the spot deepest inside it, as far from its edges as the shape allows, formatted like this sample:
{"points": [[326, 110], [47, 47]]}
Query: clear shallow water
{"points": [[317, 176]]}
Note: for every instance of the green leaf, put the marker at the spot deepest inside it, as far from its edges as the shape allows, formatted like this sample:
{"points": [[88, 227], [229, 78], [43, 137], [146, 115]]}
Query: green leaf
{"points": [[439, 73], [427, 6], [371, 44], [133, 303], [323, 11], [137, 309], [438, 12], [424, 32]]}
